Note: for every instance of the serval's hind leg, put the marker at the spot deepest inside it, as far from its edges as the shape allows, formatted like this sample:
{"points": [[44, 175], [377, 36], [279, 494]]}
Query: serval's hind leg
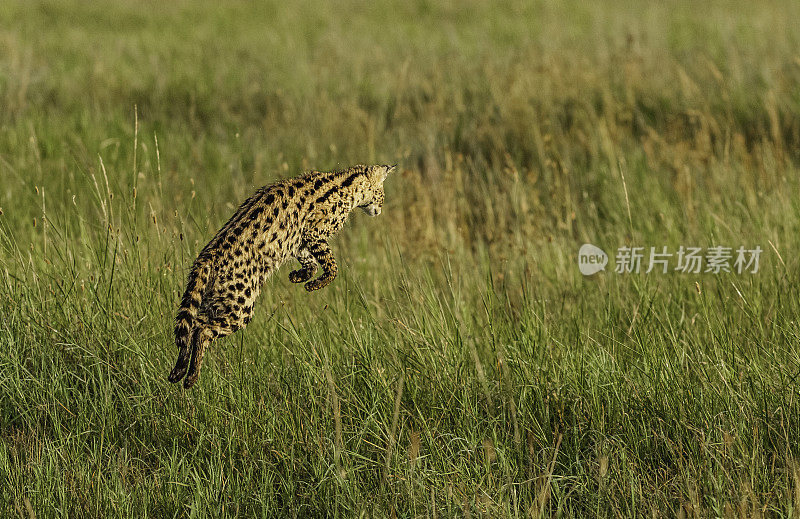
{"points": [[184, 356], [215, 328], [201, 337], [181, 364]]}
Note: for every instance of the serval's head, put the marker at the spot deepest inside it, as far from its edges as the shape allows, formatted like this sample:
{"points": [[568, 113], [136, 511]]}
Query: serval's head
{"points": [[372, 200]]}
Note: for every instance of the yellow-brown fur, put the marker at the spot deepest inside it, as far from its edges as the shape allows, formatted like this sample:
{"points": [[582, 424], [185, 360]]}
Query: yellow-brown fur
{"points": [[292, 218]]}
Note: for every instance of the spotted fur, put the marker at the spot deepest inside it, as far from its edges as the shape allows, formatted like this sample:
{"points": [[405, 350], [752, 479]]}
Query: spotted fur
{"points": [[292, 218]]}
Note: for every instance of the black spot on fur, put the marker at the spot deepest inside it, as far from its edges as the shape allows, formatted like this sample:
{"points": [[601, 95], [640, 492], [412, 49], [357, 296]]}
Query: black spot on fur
{"points": [[349, 180]]}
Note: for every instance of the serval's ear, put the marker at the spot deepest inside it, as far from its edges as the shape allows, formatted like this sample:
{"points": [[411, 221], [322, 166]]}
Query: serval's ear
{"points": [[387, 170]]}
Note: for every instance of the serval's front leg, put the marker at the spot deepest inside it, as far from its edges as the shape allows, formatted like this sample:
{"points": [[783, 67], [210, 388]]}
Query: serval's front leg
{"points": [[308, 267], [324, 256]]}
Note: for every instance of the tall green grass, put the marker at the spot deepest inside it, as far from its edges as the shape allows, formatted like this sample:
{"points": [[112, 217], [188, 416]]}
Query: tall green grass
{"points": [[460, 364]]}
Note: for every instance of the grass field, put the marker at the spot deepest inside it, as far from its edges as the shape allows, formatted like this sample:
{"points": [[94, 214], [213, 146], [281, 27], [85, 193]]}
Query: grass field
{"points": [[460, 365]]}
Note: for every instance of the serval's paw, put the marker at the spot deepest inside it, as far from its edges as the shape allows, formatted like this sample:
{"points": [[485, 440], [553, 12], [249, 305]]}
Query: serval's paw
{"points": [[318, 283], [301, 275]]}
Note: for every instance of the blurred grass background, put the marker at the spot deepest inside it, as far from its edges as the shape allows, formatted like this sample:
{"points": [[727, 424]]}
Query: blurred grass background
{"points": [[460, 364]]}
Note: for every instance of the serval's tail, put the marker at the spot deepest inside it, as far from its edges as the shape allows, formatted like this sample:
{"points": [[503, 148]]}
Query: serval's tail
{"points": [[187, 313]]}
